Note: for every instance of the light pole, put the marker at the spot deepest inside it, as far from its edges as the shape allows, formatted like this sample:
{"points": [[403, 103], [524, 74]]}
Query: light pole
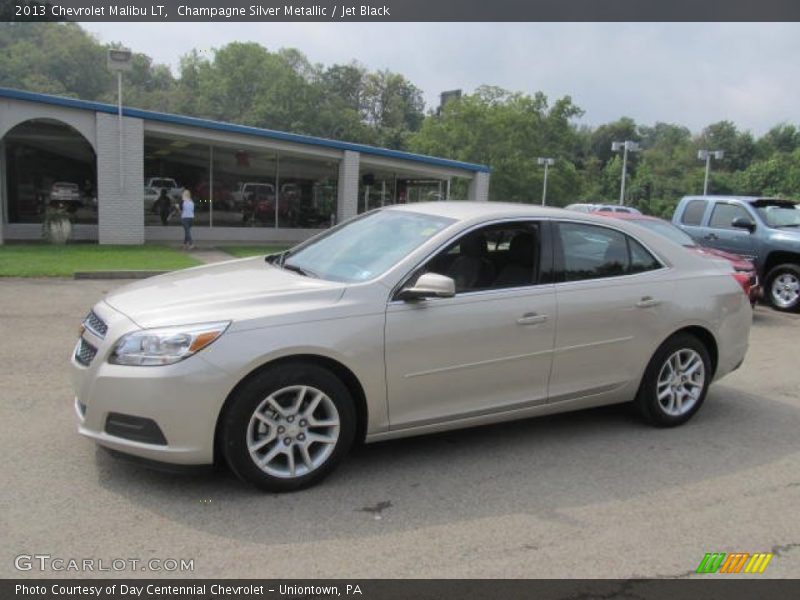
{"points": [[547, 162], [119, 60], [626, 146], [707, 155]]}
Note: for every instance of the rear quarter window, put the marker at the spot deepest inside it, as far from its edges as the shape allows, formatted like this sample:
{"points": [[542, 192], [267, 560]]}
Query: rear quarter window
{"points": [[693, 213]]}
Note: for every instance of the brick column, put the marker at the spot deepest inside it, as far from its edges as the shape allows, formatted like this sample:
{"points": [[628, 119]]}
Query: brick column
{"points": [[120, 216], [479, 187], [347, 201]]}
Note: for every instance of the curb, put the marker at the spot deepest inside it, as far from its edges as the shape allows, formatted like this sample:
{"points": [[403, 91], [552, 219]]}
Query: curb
{"points": [[131, 274]]}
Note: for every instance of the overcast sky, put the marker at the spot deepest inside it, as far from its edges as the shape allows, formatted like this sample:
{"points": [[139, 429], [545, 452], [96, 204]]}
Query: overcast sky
{"points": [[692, 74]]}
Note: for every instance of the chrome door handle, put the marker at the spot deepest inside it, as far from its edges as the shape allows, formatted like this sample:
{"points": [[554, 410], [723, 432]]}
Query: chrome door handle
{"points": [[648, 302], [531, 319]]}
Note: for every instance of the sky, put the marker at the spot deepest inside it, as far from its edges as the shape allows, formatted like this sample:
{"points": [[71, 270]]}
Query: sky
{"points": [[691, 74]]}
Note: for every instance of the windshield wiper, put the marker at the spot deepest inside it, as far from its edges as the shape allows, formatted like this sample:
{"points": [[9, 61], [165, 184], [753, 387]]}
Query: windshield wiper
{"points": [[789, 225], [300, 270]]}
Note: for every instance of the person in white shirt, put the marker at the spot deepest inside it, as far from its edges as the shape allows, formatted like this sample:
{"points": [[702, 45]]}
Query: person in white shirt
{"points": [[187, 218]]}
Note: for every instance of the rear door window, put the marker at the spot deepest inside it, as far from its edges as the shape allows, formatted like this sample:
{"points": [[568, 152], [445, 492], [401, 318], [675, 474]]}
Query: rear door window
{"points": [[693, 213], [595, 252]]}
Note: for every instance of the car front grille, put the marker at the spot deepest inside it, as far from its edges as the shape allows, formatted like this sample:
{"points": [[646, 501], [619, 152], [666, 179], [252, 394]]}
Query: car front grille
{"points": [[95, 324], [85, 352]]}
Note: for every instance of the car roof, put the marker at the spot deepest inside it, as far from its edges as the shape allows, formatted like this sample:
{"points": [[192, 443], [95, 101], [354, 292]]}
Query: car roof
{"points": [[463, 210], [748, 199], [466, 210], [627, 216]]}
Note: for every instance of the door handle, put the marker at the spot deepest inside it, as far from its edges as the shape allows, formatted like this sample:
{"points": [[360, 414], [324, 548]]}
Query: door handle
{"points": [[648, 302], [711, 236], [531, 319]]}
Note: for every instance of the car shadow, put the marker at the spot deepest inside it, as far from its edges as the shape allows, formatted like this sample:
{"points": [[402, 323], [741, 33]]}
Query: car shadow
{"points": [[537, 466]]}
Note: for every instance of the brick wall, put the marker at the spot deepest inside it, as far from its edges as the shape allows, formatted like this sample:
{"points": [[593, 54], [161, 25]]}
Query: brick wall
{"points": [[120, 209], [348, 186]]}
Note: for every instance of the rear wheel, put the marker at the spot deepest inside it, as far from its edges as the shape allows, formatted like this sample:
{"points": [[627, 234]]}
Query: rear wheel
{"points": [[288, 427], [676, 381], [783, 288]]}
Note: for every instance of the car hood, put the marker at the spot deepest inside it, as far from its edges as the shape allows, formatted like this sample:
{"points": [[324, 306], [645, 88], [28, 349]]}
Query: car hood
{"points": [[237, 290], [739, 262]]}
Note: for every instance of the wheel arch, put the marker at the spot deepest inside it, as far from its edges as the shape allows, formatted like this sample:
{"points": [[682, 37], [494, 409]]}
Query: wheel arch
{"points": [[779, 257], [706, 338], [345, 375]]}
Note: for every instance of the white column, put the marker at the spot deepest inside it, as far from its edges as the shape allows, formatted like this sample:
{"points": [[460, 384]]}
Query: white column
{"points": [[479, 187], [120, 212], [347, 202]]}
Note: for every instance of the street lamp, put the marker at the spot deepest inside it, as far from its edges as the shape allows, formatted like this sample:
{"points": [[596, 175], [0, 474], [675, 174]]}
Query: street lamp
{"points": [[626, 146], [707, 155], [119, 60], [547, 162]]}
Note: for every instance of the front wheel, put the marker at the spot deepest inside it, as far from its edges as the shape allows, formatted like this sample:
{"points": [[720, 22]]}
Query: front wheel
{"points": [[676, 381], [783, 288], [288, 427]]}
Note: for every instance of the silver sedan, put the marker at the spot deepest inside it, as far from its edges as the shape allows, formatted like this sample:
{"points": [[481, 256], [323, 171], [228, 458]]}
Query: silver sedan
{"points": [[403, 321]]}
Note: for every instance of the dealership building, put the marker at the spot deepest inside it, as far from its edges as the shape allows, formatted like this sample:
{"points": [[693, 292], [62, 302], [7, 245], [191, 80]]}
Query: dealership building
{"points": [[117, 175]]}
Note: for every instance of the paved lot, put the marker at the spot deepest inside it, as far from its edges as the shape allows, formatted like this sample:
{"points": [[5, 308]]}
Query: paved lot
{"points": [[591, 494]]}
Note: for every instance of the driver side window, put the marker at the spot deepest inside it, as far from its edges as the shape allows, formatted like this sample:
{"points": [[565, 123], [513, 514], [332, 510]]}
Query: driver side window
{"points": [[498, 256]]}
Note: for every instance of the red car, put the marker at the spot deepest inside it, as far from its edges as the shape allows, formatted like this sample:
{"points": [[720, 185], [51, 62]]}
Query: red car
{"points": [[744, 270]]}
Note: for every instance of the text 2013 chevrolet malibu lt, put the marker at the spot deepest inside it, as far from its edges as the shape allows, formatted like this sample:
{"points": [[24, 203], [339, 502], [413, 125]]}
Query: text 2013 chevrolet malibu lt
{"points": [[407, 320]]}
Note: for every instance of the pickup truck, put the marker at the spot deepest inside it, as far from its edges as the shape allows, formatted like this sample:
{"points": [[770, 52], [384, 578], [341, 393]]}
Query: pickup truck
{"points": [[765, 230]]}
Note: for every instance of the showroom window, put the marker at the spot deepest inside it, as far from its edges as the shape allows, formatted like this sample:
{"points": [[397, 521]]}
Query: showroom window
{"points": [[239, 187], [379, 188], [48, 164]]}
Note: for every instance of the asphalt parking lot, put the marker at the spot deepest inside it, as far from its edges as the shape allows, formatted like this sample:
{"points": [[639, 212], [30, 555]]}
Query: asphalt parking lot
{"points": [[590, 494]]}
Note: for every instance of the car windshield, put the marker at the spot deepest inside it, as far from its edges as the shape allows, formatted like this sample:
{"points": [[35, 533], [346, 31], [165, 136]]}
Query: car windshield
{"points": [[365, 247], [668, 230], [781, 214]]}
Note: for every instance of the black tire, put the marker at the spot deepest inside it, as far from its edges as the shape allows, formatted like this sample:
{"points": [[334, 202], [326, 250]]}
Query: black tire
{"points": [[647, 402], [787, 270], [236, 424]]}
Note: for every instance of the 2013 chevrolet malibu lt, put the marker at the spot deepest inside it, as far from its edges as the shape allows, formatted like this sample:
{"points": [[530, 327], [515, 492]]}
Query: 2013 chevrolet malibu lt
{"points": [[408, 320]]}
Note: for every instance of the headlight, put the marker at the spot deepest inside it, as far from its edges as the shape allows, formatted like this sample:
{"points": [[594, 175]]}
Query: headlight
{"points": [[165, 346]]}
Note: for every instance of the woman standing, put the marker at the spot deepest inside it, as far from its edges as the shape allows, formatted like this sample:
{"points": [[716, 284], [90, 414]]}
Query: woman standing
{"points": [[187, 218]]}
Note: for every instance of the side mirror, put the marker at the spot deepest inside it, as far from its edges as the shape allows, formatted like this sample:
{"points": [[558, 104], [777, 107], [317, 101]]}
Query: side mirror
{"points": [[429, 285], [743, 223]]}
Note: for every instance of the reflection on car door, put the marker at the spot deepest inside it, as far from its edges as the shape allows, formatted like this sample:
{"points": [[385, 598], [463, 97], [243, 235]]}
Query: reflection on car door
{"points": [[485, 350], [720, 234], [612, 299]]}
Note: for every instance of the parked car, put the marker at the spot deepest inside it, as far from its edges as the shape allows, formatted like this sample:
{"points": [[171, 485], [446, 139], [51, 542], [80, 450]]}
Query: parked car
{"points": [[764, 230], [407, 320], [744, 270], [581, 207], [164, 183], [616, 209], [66, 193]]}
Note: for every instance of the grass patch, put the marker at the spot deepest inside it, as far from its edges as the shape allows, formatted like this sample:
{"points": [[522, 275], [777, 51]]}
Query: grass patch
{"points": [[40, 260], [245, 251]]}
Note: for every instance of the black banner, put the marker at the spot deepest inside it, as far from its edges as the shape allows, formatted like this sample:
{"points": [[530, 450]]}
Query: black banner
{"points": [[707, 588], [401, 10]]}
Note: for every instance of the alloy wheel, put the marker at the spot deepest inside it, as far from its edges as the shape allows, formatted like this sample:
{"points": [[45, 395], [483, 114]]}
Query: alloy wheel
{"points": [[785, 290], [293, 431], [680, 382]]}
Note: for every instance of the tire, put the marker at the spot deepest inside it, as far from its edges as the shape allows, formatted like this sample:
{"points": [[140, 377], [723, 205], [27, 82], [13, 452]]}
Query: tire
{"points": [[268, 421], [684, 397], [783, 288]]}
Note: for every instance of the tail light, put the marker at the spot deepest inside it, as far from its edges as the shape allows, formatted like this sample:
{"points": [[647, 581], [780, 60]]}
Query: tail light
{"points": [[745, 280]]}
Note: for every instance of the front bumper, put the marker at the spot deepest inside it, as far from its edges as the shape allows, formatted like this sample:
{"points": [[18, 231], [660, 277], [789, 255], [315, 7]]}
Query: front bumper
{"points": [[182, 400]]}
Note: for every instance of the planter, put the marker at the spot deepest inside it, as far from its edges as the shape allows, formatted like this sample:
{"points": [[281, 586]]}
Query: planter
{"points": [[57, 229]]}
